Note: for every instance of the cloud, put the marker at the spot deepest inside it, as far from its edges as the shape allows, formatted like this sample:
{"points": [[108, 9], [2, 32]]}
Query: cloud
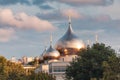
{"points": [[6, 34], [43, 4], [53, 16], [87, 2], [78, 2], [60, 15], [23, 21], [47, 7], [112, 10], [71, 12], [91, 32], [102, 18], [9, 2], [40, 3]]}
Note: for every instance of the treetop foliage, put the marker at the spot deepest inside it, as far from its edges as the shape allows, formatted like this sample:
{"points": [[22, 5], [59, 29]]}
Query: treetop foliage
{"points": [[98, 61], [15, 71]]}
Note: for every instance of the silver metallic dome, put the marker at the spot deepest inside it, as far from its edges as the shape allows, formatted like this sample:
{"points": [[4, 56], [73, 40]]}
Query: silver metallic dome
{"points": [[69, 40], [51, 53]]}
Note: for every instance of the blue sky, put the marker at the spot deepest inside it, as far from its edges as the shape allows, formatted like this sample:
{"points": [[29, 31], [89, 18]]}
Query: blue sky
{"points": [[26, 25]]}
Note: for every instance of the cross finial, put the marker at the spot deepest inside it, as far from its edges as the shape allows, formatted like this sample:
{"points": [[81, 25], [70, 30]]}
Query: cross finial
{"points": [[51, 39], [69, 17], [96, 38], [88, 42]]}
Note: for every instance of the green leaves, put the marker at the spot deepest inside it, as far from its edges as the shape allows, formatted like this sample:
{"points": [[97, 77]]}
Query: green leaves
{"points": [[14, 71], [41, 76], [97, 61]]}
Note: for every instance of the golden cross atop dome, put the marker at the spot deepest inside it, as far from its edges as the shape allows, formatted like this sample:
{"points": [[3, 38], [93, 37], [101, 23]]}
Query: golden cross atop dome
{"points": [[69, 18], [51, 39], [96, 38]]}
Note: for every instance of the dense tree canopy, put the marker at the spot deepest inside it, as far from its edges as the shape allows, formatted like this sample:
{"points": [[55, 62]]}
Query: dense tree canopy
{"points": [[95, 62], [10, 70], [41, 76], [15, 71]]}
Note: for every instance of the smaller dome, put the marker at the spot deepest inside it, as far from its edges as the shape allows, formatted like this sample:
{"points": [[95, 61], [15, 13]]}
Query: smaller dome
{"points": [[51, 53]]}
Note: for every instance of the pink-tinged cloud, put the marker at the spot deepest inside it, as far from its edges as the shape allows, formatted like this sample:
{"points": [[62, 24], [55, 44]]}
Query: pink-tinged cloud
{"points": [[71, 12], [102, 18], [87, 2], [24, 21], [83, 1], [6, 35]]}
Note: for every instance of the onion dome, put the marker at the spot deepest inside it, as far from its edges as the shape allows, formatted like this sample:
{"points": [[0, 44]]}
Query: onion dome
{"points": [[69, 43], [51, 53]]}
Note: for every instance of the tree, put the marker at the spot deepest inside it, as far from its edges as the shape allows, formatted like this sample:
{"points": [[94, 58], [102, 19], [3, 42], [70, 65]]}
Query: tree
{"points": [[112, 69], [3, 63], [41, 76], [90, 63], [15, 71], [10, 70]]}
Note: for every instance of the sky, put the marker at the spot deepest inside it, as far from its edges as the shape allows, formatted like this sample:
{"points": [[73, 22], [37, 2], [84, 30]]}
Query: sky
{"points": [[26, 25]]}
